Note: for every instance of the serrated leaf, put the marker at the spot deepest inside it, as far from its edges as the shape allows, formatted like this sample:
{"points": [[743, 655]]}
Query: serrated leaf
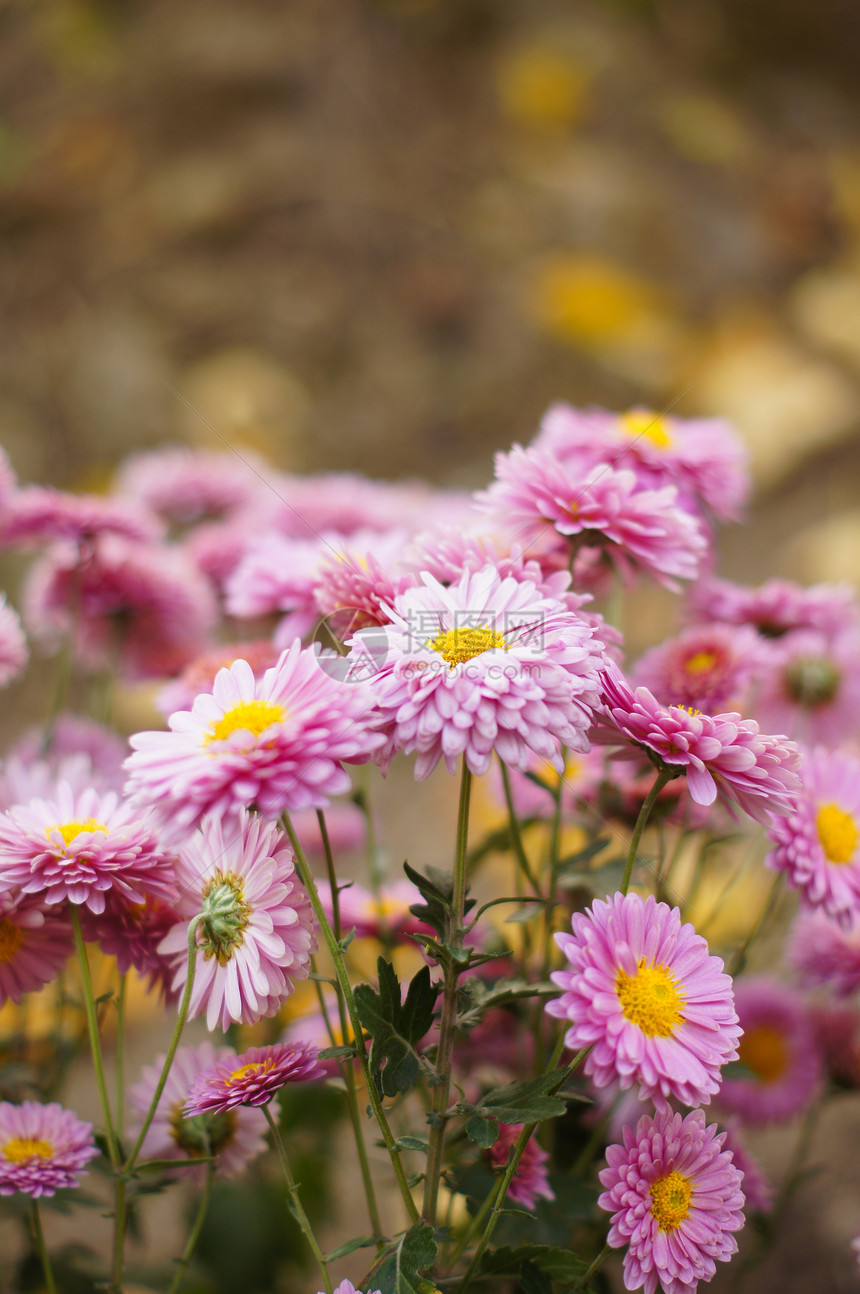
{"points": [[533, 1280], [437, 910], [478, 997], [394, 1027], [399, 1269], [484, 1132], [527, 1101], [361, 1242]]}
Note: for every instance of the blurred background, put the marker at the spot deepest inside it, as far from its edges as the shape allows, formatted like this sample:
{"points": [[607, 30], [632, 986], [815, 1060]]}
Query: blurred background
{"points": [[383, 235]]}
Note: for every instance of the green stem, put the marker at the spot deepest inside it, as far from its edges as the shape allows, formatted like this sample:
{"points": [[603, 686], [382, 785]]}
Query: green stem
{"points": [[448, 1017], [39, 1237], [516, 834], [297, 1209], [120, 1054], [95, 1041], [549, 920], [194, 1234], [739, 960], [587, 1275], [336, 954], [664, 775]]}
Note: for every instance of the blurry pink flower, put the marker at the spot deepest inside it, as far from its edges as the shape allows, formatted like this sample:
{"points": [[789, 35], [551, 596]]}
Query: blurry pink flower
{"points": [[811, 687], [355, 585], [199, 676], [38, 514], [824, 954], [757, 1190], [648, 999], [34, 947], [185, 485], [707, 667], [43, 1148], [530, 1181], [278, 574], [776, 607], [14, 652]]}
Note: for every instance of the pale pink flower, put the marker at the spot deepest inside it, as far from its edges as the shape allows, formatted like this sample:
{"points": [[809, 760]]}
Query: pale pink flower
{"points": [[277, 573], [675, 1197], [199, 676], [185, 485], [43, 1148], [648, 999], [257, 935]]}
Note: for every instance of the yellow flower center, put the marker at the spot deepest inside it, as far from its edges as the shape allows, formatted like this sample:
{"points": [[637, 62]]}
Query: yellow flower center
{"points": [[651, 999], [21, 1148], [247, 716], [11, 939], [763, 1050], [700, 662], [456, 646], [68, 830], [643, 423], [670, 1200], [255, 1067], [837, 832]]}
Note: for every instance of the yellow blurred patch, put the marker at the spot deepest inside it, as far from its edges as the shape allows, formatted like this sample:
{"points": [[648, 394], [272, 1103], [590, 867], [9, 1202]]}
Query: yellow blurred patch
{"points": [[703, 129], [593, 302], [541, 88]]}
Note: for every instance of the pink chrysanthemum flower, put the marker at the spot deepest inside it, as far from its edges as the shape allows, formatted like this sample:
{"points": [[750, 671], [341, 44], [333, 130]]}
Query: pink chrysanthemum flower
{"points": [[74, 848], [824, 954], [200, 675], [675, 1198], [530, 1181], [72, 737], [43, 1148], [133, 934], [355, 585], [252, 1078], [14, 652], [704, 457], [348, 502], [276, 742], [278, 574], [347, 1287], [647, 997], [39, 514], [776, 607], [811, 687], [635, 526], [34, 947], [706, 668], [720, 752], [257, 935], [489, 664], [780, 1048], [818, 844], [141, 605], [235, 1137], [186, 485]]}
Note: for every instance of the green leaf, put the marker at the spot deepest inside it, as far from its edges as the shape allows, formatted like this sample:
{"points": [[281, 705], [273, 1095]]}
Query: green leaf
{"points": [[338, 1053], [558, 1264], [395, 1027], [437, 910], [528, 1101], [361, 1242], [412, 1143], [485, 1132], [478, 997], [533, 1280], [399, 1269]]}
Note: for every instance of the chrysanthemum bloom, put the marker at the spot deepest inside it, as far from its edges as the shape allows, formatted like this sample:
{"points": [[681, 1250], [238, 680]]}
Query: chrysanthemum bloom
{"points": [[234, 1136], [355, 585], [43, 1148], [348, 502], [133, 933], [634, 525], [257, 935], [530, 1182], [758, 1191], [489, 664], [824, 954], [675, 1198], [276, 742], [347, 1287], [199, 676], [34, 946], [818, 844], [776, 607], [837, 1029], [13, 644], [252, 1078], [811, 687], [779, 1047], [38, 514], [72, 737], [648, 999], [720, 752], [278, 574], [142, 608], [707, 667], [704, 457], [186, 485], [77, 847]]}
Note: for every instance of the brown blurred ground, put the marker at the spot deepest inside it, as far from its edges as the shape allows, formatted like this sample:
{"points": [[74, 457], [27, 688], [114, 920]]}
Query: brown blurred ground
{"points": [[385, 235]]}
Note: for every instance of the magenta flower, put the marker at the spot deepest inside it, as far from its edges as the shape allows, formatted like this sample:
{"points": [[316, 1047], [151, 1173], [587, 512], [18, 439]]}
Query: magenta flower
{"points": [[776, 607], [199, 676], [34, 946], [530, 1181], [252, 1078], [720, 752], [489, 664], [637, 527], [133, 933], [277, 742], [647, 997], [43, 1148], [707, 668], [347, 1287], [257, 935], [675, 1198], [38, 514], [780, 1048], [704, 457], [824, 954], [818, 844], [76, 847], [185, 485], [235, 1137]]}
